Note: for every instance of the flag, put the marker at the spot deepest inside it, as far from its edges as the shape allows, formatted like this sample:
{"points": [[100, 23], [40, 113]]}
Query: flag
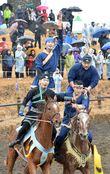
{"points": [[16, 86], [97, 162]]}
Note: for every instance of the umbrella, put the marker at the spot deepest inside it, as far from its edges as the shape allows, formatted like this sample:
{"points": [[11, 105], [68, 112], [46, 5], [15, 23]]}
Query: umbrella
{"points": [[3, 6], [78, 43], [30, 6], [23, 39], [39, 18], [106, 46], [13, 28], [32, 26], [65, 10], [74, 9], [41, 7], [37, 51], [48, 24], [2, 32], [99, 32], [66, 46], [21, 22]]}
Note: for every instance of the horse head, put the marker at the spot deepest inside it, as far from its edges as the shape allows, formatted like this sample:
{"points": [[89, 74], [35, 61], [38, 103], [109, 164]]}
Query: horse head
{"points": [[52, 111], [80, 123]]}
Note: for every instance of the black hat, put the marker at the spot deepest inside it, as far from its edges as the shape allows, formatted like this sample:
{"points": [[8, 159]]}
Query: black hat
{"points": [[87, 58], [46, 75]]}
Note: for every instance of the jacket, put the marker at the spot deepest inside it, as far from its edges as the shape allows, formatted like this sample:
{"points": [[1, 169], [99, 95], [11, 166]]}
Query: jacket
{"points": [[19, 13], [9, 60], [20, 31], [7, 13], [14, 36]]}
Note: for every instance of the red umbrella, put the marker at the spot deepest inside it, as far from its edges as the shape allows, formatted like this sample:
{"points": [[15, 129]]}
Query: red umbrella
{"points": [[13, 28], [41, 7]]}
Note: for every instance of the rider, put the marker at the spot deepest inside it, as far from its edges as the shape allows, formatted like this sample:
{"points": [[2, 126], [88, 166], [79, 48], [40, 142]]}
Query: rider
{"points": [[70, 111], [36, 95]]}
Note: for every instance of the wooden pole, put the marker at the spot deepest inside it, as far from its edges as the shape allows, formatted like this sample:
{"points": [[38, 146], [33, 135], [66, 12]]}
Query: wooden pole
{"points": [[99, 101]]}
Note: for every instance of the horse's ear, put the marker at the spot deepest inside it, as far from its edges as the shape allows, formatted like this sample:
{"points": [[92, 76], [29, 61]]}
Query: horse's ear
{"points": [[55, 97], [46, 98], [77, 110], [89, 110]]}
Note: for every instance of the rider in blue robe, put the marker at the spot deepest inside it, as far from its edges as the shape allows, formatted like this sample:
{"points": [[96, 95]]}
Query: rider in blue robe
{"points": [[51, 64]]}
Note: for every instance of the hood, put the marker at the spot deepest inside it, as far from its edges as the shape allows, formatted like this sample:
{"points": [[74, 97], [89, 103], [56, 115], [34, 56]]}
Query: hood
{"points": [[68, 33], [70, 51]]}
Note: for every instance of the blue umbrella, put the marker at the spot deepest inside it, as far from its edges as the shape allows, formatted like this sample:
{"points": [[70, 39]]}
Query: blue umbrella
{"points": [[64, 10], [106, 46], [99, 32]]}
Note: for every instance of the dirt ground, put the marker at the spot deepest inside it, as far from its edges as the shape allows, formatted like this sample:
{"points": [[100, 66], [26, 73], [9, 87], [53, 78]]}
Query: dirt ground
{"points": [[100, 118], [101, 139]]}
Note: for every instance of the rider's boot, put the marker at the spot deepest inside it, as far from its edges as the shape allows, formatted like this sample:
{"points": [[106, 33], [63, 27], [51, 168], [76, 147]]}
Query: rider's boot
{"points": [[20, 134], [57, 150]]}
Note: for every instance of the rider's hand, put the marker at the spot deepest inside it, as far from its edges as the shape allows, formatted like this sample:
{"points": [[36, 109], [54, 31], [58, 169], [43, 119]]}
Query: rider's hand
{"points": [[21, 113], [74, 99], [74, 105]]}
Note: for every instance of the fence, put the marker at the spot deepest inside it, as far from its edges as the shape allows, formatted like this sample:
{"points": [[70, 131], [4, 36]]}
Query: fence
{"points": [[18, 104]]}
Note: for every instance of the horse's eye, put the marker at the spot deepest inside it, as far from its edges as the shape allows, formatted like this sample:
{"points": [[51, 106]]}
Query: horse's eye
{"points": [[78, 119], [48, 108]]}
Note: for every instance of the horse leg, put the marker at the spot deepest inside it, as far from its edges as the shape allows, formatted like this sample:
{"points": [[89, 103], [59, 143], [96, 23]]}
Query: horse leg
{"points": [[68, 170], [46, 168], [32, 166], [11, 158], [86, 169], [26, 170]]}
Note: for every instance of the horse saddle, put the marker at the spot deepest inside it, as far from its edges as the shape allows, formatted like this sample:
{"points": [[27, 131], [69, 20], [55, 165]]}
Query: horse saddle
{"points": [[31, 134]]}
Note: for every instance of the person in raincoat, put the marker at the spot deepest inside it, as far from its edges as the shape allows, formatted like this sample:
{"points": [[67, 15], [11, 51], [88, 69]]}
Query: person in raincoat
{"points": [[100, 64], [69, 38], [9, 62], [75, 37], [84, 40], [0, 18], [69, 60], [57, 80], [108, 67], [45, 14], [7, 13], [83, 52], [91, 31], [91, 53], [85, 31], [19, 56], [33, 15], [76, 54]]}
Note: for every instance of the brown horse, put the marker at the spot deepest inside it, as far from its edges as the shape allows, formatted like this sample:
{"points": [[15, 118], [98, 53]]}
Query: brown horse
{"points": [[75, 153], [43, 134]]}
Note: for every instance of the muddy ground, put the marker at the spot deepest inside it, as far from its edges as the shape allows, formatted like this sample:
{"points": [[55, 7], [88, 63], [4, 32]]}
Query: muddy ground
{"points": [[101, 139]]}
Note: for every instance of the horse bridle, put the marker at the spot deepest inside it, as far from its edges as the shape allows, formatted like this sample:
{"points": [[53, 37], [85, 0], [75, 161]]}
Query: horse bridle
{"points": [[76, 129], [48, 113]]}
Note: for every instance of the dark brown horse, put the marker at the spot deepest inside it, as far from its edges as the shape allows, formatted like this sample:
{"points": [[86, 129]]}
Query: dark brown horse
{"points": [[43, 134], [75, 153]]}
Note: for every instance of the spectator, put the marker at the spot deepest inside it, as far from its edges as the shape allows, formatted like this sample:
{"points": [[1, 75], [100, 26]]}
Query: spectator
{"points": [[19, 12], [44, 32], [100, 64], [107, 53], [101, 39], [0, 18], [106, 39], [67, 29], [70, 19], [94, 51], [64, 39], [27, 16], [10, 20], [52, 16], [85, 31], [108, 67], [55, 39], [3, 64], [37, 32], [84, 40], [91, 31], [14, 38], [5, 43], [52, 31], [33, 15], [20, 31], [64, 17], [45, 14], [9, 62], [7, 13], [57, 80], [69, 38], [75, 37], [76, 54], [59, 15], [31, 64], [91, 53], [61, 63], [19, 57], [14, 49], [69, 60], [83, 52]]}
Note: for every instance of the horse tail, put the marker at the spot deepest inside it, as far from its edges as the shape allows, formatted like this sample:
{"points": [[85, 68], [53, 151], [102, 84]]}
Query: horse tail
{"points": [[6, 161]]}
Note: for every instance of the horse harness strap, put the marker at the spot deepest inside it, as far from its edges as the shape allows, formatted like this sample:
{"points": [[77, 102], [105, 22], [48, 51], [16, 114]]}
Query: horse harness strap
{"points": [[72, 149], [40, 147]]}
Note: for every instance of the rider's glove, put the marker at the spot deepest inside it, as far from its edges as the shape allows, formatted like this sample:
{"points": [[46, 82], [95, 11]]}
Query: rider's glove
{"points": [[21, 113]]}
